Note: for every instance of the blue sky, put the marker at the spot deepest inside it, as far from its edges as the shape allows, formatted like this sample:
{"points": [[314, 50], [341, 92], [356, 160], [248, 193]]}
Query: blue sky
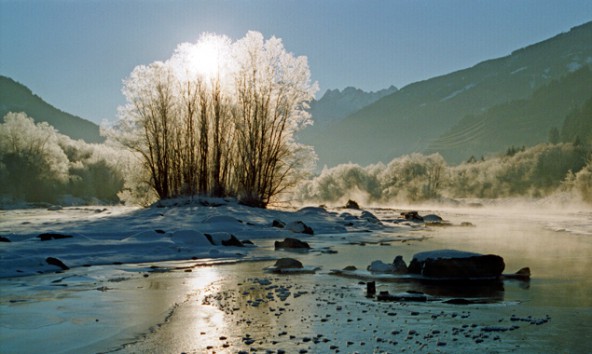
{"points": [[75, 54]]}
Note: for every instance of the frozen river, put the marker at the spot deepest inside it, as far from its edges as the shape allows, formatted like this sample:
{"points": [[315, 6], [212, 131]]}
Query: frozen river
{"points": [[232, 306]]}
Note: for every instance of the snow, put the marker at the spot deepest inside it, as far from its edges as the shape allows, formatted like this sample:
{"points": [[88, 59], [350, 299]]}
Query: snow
{"points": [[169, 231], [519, 70], [458, 92], [573, 66]]}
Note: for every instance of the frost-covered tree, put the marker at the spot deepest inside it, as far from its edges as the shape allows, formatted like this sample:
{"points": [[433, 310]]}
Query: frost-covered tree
{"points": [[272, 90], [33, 164], [583, 181], [219, 118], [147, 124], [38, 164]]}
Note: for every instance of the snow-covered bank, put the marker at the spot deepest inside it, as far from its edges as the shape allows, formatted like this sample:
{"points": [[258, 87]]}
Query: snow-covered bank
{"points": [[173, 230]]}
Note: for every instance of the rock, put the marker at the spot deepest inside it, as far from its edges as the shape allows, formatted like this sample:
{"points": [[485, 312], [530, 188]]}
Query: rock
{"points": [[4, 239], [288, 263], [380, 267], [522, 274], [224, 239], [348, 217], [350, 267], [52, 236], [320, 210], [432, 219], [352, 204], [232, 241], [368, 216], [399, 265], [456, 264], [56, 262], [370, 289], [279, 224], [291, 243], [248, 242], [411, 216], [300, 227]]}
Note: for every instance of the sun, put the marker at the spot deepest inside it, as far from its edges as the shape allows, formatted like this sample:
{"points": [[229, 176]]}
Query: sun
{"points": [[207, 58]]}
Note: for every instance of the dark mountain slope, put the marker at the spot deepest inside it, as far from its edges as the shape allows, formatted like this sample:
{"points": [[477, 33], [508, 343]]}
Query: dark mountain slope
{"points": [[524, 122], [578, 124], [412, 118], [15, 97]]}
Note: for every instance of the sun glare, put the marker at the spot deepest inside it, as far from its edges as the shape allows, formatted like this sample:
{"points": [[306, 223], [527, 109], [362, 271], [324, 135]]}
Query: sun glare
{"points": [[206, 58]]}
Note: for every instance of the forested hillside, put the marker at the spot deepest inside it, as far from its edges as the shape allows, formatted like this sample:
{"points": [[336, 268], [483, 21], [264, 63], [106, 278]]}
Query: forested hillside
{"points": [[524, 122]]}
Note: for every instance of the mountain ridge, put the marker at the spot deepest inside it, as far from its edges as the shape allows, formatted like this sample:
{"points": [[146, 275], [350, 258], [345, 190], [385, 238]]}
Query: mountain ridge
{"points": [[16, 97], [410, 119]]}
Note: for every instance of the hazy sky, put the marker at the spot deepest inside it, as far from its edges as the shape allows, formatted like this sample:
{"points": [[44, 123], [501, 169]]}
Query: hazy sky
{"points": [[75, 54]]}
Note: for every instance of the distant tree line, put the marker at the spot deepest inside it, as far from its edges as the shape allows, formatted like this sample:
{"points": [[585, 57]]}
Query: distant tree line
{"points": [[529, 172], [218, 119]]}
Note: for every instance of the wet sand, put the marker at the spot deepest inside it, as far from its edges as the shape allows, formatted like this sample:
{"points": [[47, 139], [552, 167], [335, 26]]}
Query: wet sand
{"points": [[239, 308]]}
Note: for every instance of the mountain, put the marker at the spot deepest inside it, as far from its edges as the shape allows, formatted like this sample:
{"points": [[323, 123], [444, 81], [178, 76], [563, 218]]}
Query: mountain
{"points": [[15, 97], [414, 117], [335, 105], [523, 122], [578, 124]]}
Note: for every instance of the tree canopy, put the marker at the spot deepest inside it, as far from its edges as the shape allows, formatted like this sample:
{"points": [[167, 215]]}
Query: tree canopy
{"points": [[219, 118]]}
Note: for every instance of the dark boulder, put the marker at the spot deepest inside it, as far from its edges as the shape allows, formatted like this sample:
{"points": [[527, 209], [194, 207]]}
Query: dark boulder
{"points": [[232, 241], [456, 265], [291, 243], [432, 219], [368, 216], [56, 262], [279, 224], [52, 236], [4, 239], [399, 265], [352, 204], [288, 263], [411, 216]]}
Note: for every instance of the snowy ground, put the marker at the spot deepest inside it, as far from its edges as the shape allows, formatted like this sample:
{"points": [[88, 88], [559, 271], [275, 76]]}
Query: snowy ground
{"points": [[148, 280], [116, 235]]}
